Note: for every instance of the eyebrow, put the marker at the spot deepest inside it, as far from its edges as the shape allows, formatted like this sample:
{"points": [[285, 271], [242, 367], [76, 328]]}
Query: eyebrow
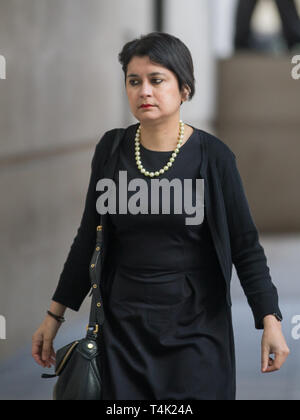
{"points": [[156, 73]]}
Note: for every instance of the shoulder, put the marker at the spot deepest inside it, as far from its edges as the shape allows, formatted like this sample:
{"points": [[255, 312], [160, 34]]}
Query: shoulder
{"points": [[216, 148], [105, 142], [220, 158]]}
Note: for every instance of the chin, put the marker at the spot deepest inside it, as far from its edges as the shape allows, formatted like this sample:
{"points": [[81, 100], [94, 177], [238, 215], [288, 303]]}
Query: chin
{"points": [[147, 119]]}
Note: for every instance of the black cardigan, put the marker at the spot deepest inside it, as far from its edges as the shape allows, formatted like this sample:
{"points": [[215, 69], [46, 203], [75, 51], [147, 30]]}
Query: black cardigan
{"points": [[233, 230]]}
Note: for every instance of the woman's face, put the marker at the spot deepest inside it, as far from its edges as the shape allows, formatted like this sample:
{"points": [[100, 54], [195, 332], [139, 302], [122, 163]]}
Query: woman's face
{"points": [[160, 90]]}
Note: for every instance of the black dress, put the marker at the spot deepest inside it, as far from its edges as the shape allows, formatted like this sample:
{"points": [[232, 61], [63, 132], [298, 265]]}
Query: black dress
{"points": [[168, 330]]}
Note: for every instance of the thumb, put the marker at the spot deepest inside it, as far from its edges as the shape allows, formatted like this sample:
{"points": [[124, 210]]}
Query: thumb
{"points": [[46, 349], [264, 359]]}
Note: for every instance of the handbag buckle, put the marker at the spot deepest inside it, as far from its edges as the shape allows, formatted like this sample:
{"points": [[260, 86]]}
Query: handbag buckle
{"points": [[95, 328]]}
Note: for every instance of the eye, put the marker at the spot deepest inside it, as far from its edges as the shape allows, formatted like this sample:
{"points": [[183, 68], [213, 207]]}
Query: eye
{"points": [[131, 82]]}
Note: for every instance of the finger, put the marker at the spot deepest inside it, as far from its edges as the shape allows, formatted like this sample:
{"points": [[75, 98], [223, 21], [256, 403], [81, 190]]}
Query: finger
{"points": [[46, 349], [36, 352], [275, 365], [279, 360], [264, 359], [51, 360], [270, 367], [38, 360]]}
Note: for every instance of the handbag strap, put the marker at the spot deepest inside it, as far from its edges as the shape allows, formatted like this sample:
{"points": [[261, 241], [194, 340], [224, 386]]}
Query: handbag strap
{"points": [[97, 317]]}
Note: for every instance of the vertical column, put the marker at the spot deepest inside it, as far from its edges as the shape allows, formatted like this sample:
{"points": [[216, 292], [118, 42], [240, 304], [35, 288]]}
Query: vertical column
{"points": [[192, 22], [2, 67], [159, 7]]}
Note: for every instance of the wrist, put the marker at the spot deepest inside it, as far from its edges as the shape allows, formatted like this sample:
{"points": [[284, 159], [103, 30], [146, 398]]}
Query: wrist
{"points": [[57, 308], [272, 320], [58, 318], [50, 322]]}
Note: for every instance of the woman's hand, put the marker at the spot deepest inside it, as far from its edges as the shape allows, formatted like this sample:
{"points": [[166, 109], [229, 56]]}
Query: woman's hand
{"points": [[273, 342], [42, 342]]}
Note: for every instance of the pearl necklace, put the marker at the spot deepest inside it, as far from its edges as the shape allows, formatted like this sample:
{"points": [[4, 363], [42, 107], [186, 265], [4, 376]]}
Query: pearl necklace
{"points": [[171, 160]]}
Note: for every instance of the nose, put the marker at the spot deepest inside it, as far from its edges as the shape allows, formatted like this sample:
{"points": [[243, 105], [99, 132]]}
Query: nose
{"points": [[145, 89]]}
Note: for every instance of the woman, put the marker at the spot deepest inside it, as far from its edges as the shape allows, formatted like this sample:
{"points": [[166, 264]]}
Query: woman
{"points": [[168, 327]]}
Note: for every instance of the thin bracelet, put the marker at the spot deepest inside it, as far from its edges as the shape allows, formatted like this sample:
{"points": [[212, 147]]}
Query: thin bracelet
{"points": [[58, 318]]}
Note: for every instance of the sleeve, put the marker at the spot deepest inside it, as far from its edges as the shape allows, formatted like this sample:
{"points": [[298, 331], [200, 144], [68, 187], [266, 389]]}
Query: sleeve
{"points": [[74, 282], [248, 255]]}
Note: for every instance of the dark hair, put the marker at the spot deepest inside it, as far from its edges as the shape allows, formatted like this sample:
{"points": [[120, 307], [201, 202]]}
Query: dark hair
{"points": [[166, 50]]}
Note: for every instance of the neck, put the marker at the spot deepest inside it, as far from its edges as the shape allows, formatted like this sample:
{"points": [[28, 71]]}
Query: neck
{"points": [[160, 136]]}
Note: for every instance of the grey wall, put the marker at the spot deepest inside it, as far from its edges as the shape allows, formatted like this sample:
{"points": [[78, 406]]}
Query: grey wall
{"points": [[258, 116], [64, 89]]}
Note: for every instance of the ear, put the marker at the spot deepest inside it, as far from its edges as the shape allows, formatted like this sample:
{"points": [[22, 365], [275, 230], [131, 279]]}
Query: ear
{"points": [[185, 93]]}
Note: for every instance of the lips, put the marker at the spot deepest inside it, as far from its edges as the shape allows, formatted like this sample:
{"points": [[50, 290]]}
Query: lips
{"points": [[146, 106]]}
